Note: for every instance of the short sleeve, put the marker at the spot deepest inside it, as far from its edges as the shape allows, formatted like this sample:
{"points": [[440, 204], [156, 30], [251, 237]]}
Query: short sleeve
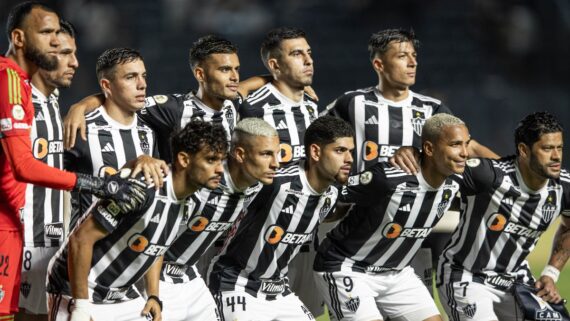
{"points": [[162, 113], [365, 187], [478, 176], [442, 109]]}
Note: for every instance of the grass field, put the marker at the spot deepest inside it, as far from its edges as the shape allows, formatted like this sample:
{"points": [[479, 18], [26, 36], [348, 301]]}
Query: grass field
{"points": [[537, 260]]}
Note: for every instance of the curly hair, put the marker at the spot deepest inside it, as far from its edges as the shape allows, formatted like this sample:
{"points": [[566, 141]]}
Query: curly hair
{"points": [[208, 45], [325, 130], [273, 39], [110, 58], [535, 125], [197, 135], [379, 41]]}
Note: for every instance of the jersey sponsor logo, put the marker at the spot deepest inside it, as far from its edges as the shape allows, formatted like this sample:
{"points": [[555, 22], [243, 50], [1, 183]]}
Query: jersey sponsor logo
{"points": [[272, 287], [18, 112], [365, 178], [54, 231], [107, 170], [21, 126], [40, 117], [508, 201], [377, 269], [502, 282], [288, 152], [214, 201], [499, 223], [470, 310], [547, 315], [198, 223], [155, 218], [108, 148], [288, 210], [174, 270], [372, 151], [281, 125], [394, 230], [5, 124], [42, 147], [405, 208], [276, 234], [403, 187], [116, 295], [140, 244], [371, 121], [418, 121]]}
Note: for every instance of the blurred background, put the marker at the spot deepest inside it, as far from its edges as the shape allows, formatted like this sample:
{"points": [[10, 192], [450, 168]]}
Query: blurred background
{"points": [[491, 61]]}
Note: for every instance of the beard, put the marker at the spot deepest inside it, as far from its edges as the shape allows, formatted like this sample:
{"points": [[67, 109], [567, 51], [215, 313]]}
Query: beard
{"points": [[540, 169], [42, 60]]}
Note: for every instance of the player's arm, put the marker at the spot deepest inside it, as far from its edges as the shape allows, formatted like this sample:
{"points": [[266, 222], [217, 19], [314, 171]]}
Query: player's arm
{"points": [[153, 169], [79, 263], [546, 284], [151, 278], [254, 83], [75, 118], [475, 149]]}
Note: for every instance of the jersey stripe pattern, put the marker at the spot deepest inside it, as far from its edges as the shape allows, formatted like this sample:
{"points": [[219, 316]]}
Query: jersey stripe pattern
{"points": [[165, 114], [43, 212], [278, 221], [382, 126], [220, 210], [108, 147], [290, 118], [501, 221], [393, 213], [134, 242]]}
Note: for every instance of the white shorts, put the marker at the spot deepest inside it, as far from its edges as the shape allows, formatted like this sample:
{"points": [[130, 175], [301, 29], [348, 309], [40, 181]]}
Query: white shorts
{"points": [[59, 309], [239, 305], [302, 281], [423, 266], [477, 302], [398, 295], [187, 301], [35, 261]]}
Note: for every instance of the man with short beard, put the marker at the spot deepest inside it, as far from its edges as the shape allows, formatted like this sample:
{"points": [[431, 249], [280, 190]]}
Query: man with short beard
{"points": [[32, 29], [43, 212]]}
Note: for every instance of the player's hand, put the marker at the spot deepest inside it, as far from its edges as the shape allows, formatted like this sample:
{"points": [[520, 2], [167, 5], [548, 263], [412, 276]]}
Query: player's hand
{"points": [[547, 289], [154, 308], [311, 92], [80, 310], [154, 170], [74, 121], [127, 193], [407, 159]]}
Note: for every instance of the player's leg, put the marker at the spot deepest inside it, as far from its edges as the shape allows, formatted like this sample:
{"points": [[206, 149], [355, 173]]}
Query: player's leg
{"points": [[405, 297], [121, 311], [291, 308], [35, 260], [468, 301], [349, 295], [10, 269], [238, 305], [423, 267], [303, 283], [188, 301], [508, 308]]}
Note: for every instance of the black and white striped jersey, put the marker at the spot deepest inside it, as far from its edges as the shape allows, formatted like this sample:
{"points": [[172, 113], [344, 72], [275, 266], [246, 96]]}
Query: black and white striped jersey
{"points": [[134, 242], [108, 147], [393, 213], [166, 114], [501, 221], [291, 119], [220, 209], [43, 211], [382, 126], [281, 218]]}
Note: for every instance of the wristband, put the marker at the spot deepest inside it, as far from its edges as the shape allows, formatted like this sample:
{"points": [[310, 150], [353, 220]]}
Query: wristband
{"points": [[81, 310], [551, 272], [155, 298]]}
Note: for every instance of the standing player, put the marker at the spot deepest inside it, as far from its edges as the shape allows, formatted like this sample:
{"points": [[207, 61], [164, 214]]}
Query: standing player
{"points": [[115, 135], [43, 212], [507, 205], [92, 277], [283, 102], [249, 278], [254, 158], [32, 29], [362, 266]]}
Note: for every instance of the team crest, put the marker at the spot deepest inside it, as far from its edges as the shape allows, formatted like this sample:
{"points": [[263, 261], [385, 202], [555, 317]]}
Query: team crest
{"points": [[365, 178], [312, 115], [473, 162], [230, 118], [18, 112], [25, 288], [325, 208], [352, 304], [418, 121], [443, 204], [160, 99], [145, 146], [549, 208], [547, 315], [470, 310]]}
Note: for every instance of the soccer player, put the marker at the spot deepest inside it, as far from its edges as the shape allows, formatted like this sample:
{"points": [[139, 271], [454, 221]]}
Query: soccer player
{"points": [[115, 135], [32, 29], [362, 267], [507, 204], [253, 160], [249, 278], [283, 103], [43, 211], [92, 276]]}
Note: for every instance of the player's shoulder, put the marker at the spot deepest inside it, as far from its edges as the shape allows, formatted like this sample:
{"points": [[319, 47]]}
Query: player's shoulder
{"points": [[564, 178], [426, 100], [288, 172], [505, 165], [262, 96], [168, 99], [95, 116], [367, 93]]}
